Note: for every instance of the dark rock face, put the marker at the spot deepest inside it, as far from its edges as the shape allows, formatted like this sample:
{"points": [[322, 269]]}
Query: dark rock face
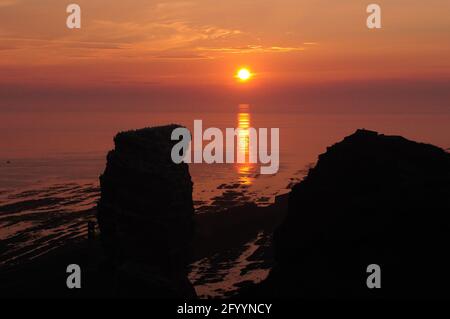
{"points": [[371, 199], [145, 215]]}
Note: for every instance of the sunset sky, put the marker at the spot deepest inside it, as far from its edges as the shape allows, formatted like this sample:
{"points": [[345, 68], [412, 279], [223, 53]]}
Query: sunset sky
{"points": [[142, 50]]}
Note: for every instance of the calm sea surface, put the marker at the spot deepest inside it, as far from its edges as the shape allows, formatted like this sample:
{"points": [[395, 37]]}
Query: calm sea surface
{"points": [[50, 163], [38, 149]]}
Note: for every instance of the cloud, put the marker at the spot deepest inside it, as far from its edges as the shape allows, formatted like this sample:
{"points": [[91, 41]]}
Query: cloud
{"points": [[8, 3], [186, 56], [39, 43], [252, 49], [156, 35], [170, 30]]}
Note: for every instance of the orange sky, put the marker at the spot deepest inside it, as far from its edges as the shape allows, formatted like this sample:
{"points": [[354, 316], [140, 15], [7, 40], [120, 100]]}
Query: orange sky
{"points": [[288, 43]]}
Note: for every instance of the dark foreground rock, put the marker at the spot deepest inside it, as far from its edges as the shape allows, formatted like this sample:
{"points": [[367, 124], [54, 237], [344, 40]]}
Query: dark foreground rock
{"points": [[371, 199], [145, 215]]}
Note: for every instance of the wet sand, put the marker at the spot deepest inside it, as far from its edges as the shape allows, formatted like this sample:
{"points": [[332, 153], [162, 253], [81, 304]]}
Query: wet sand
{"points": [[44, 230]]}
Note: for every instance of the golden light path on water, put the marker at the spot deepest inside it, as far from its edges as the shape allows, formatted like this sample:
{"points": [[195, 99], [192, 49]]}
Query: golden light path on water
{"points": [[243, 123]]}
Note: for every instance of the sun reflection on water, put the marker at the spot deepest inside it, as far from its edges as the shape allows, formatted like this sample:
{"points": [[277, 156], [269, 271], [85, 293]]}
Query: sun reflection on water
{"points": [[245, 169]]}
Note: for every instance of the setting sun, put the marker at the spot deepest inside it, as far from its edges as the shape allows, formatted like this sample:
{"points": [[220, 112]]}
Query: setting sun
{"points": [[244, 74]]}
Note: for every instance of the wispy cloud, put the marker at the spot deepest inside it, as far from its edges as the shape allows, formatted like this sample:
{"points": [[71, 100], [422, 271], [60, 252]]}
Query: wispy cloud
{"points": [[165, 30], [8, 3], [252, 49], [18, 42], [181, 56]]}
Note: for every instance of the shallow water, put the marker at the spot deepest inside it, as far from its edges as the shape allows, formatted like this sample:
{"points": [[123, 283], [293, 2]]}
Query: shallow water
{"points": [[50, 163], [39, 149]]}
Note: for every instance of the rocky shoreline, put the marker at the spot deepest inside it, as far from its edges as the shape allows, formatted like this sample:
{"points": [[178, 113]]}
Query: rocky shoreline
{"points": [[370, 199]]}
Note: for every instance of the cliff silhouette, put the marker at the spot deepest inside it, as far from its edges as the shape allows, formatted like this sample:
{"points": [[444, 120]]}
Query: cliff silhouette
{"points": [[145, 215], [371, 199]]}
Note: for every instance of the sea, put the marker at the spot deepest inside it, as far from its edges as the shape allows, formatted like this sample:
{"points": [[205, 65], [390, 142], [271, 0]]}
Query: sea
{"points": [[50, 163]]}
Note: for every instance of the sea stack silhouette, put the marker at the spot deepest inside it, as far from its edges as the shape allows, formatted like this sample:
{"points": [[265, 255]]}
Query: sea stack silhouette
{"points": [[371, 199], [145, 215]]}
